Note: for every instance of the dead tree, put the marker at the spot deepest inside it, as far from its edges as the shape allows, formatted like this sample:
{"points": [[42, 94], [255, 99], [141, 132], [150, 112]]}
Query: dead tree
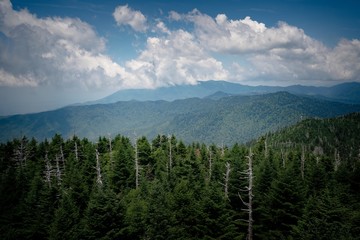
{"points": [[62, 157], [302, 167], [210, 163], [58, 170], [266, 154], [48, 170], [110, 153], [248, 175], [98, 170], [337, 161], [137, 167], [170, 154], [21, 153], [222, 149], [226, 180], [76, 151]]}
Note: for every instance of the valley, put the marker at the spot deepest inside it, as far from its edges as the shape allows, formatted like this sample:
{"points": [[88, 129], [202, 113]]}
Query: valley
{"points": [[225, 119]]}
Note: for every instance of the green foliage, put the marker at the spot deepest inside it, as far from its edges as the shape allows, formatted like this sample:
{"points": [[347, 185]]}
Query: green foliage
{"points": [[229, 120], [306, 186]]}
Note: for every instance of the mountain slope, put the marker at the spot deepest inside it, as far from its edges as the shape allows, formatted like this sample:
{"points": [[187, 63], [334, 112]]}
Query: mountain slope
{"points": [[240, 119], [229, 119], [323, 136], [346, 92]]}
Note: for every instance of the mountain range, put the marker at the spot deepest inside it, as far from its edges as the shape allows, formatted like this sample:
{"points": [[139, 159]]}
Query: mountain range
{"points": [[218, 118], [346, 92]]}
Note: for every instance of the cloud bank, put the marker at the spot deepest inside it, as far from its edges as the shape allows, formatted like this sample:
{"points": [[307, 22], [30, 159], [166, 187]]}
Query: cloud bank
{"points": [[68, 52], [278, 54], [52, 51]]}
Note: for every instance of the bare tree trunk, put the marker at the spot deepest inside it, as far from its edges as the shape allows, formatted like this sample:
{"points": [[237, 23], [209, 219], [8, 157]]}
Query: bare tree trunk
{"points": [[302, 162], [98, 170], [337, 160], [76, 152], [222, 149], [226, 179], [248, 174], [266, 150], [47, 170], [170, 154], [62, 157], [210, 163], [58, 170], [110, 154], [283, 156], [21, 153], [136, 165]]}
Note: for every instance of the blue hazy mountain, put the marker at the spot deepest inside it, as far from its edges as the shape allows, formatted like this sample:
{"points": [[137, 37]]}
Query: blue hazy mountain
{"points": [[226, 119], [346, 92]]}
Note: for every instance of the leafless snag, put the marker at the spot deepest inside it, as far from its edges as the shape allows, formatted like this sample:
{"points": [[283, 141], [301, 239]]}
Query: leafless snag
{"points": [[337, 161], [76, 151], [98, 170], [170, 154], [110, 153], [210, 163], [137, 167], [58, 170], [226, 180], [248, 175], [302, 167], [48, 170]]}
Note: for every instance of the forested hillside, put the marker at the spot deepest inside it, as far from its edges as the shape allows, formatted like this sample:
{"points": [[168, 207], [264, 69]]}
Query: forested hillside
{"points": [[337, 136], [226, 120], [305, 186]]}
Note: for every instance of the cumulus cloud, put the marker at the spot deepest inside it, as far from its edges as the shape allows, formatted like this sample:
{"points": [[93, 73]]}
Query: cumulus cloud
{"points": [[174, 59], [66, 51], [52, 51], [279, 53], [124, 15], [343, 60], [244, 35]]}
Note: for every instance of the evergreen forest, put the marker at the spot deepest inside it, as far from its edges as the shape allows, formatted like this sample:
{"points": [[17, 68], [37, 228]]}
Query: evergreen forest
{"points": [[302, 182]]}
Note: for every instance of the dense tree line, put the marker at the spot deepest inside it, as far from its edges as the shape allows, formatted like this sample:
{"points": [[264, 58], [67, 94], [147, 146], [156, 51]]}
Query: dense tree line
{"points": [[122, 188]]}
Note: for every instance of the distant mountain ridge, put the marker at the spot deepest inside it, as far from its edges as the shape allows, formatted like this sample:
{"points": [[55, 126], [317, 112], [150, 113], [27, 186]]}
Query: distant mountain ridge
{"points": [[228, 119], [345, 92]]}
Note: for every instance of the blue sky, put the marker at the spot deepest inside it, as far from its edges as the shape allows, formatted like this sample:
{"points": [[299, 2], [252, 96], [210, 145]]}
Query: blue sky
{"points": [[54, 53]]}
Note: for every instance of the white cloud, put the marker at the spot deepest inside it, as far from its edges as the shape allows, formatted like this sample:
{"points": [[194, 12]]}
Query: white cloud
{"points": [[7, 79], [314, 63], [244, 35], [343, 61], [124, 15], [66, 52], [174, 16], [175, 59], [282, 53], [52, 51], [162, 27]]}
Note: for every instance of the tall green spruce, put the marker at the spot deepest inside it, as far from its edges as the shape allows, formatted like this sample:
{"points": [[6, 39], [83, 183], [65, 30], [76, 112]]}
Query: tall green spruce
{"points": [[305, 185]]}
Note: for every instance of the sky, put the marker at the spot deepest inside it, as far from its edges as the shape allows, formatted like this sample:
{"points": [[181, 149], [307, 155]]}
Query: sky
{"points": [[56, 53]]}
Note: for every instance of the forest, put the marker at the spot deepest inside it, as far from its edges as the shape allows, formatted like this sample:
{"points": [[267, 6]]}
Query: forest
{"points": [[302, 182]]}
